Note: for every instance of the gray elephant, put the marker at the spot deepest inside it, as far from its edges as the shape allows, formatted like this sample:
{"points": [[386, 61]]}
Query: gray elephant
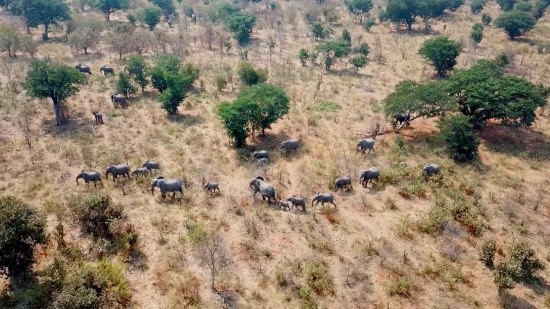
{"points": [[167, 185], [403, 118], [141, 171], [193, 18], [98, 117], [83, 68], [365, 144], [263, 161], [169, 21], [106, 69], [323, 198], [151, 165], [430, 169], [118, 99], [284, 205], [288, 145], [265, 189], [342, 183], [368, 175], [117, 170], [260, 154], [212, 187], [89, 176], [297, 201]]}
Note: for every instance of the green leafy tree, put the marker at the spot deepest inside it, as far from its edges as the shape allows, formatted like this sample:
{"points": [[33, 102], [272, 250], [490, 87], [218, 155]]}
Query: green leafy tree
{"points": [[10, 40], [167, 6], [540, 8], [363, 49], [346, 37], [178, 85], [418, 100], [506, 5], [526, 7], [333, 50], [358, 61], [369, 23], [303, 55], [477, 32], [476, 6], [43, 12], [458, 133], [515, 23], [139, 70], [454, 5], [251, 76], [318, 31], [151, 16], [486, 19], [359, 7], [404, 11], [21, 229], [441, 52], [57, 82], [109, 6], [124, 85], [132, 19], [163, 64], [241, 25], [235, 118]]}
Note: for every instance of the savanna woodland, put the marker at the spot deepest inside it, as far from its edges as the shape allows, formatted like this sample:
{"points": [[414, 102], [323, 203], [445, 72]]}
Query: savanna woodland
{"points": [[274, 154]]}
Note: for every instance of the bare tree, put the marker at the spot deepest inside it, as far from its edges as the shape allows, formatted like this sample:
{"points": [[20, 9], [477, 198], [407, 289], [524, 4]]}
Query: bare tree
{"points": [[120, 43], [213, 255], [209, 35], [24, 121], [141, 41]]}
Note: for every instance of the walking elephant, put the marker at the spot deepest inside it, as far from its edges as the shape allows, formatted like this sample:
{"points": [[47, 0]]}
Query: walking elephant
{"points": [[365, 144], [117, 170], [89, 176], [430, 169], [119, 100], [265, 189], [167, 185], [323, 198], [83, 68], [297, 201], [98, 117], [211, 187], [260, 154], [368, 175], [342, 183], [106, 69], [141, 171], [403, 118], [151, 165], [288, 145]]}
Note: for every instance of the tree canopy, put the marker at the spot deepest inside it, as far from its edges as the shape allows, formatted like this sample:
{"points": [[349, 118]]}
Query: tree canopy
{"points": [[251, 76], [515, 23], [406, 11], [332, 50], [241, 25], [458, 133], [109, 6], [177, 82], [441, 52], [506, 5], [151, 16], [139, 70], [43, 12], [359, 7], [163, 64], [57, 82], [167, 6]]}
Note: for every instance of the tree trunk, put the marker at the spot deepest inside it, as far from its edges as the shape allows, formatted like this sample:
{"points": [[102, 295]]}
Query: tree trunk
{"points": [[120, 55], [108, 14], [409, 26], [46, 30], [57, 110], [85, 50]]}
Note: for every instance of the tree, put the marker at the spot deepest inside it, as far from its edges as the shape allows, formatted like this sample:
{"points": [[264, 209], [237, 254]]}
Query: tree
{"points": [[28, 45], [404, 11], [346, 37], [151, 16], [57, 82], [163, 64], [44, 12], [119, 43], [526, 7], [139, 70], [441, 52], [359, 7], [333, 50], [318, 31], [21, 229], [486, 19], [476, 6], [87, 34], [520, 265], [540, 8], [251, 76], [167, 6], [241, 24], [10, 40], [418, 100], [124, 85], [178, 84], [506, 5], [235, 119], [363, 49], [459, 135], [358, 61], [109, 6], [515, 23], [477, 32], [303, 55], [369, 23]]}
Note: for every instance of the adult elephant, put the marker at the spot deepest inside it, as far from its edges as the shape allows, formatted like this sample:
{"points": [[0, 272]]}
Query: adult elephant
{"points": [[368, 175], [430, 169], [365, 144], [151, 165], [106, 69], [403, 118], [167, 185], [83, 68], [265, 189], [323, 198], [289, 144], [342, 183], [117, 170], [118, 99], [89, 176]]}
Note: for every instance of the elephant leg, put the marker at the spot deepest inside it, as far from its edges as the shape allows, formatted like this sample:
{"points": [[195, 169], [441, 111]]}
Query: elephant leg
{"points": [[334, 204], [163, 196], [174, 194], [350, 185]]}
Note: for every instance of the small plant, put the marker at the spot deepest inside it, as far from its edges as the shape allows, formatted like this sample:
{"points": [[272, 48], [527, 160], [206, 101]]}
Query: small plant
{"points": [[487, 253], [324, 106], [486, 19], [251, 76], [239, 212], [399, 286], [369, 23], [221, 82], [502, 60], [358, 61], [303, 55], [318, 278]]}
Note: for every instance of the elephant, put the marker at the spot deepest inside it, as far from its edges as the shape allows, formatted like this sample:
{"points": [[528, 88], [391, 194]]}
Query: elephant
{"points": [[84, 68], [265, 189], [141, 171], [260, 154], [367, 175], [289, 144], [116, 170], [430, 169], [167, 185], [151, 165], [284, 205], [342, 182], [263, 161], [169, 21], [89, 176], [98, 117], [297, 201], [323, 198], [365, 144], [403, 118], [106, 69], [118, 99], [212, 187], [193, 18]]}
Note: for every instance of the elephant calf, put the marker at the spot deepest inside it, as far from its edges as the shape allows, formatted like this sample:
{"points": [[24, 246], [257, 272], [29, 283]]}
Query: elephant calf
{"points": [[151, 165], [89, 176], [430, 169], [368, 175], [365, 144], [297, 201], [284, 205], [119, 100], [261, 154], [106, 69], [117, 170], [342, 183], [288, 145], [98, 117], [167, 185], [403, 118], [211, 187], [263, 162], [323, 198], [141, 171]]}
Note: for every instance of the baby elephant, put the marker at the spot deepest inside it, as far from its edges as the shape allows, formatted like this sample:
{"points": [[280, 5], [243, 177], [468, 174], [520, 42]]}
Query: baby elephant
{"points": [[141, 171], [263, 162], [260, 154], [430, 169], [151, 165], [297, 201], [342, 183], [211, 187], [368, 175], [89, 176], [365, 144], [323, 198], [284, 205], [98, 117]]}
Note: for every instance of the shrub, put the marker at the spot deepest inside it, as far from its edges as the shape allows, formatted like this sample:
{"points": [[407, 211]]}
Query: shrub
{"points": [[346, 37], [93, 214], [476, 35], [506, 5], [358, 61], [524, 256], [221, 82], [526, 7], [458, 133], [434, 222], [476, 6], [251, 76], [369, 23], [21, 229], [303, 55], [151, 16], [401, 286], [124, 85], [363, 49], [486, 19], [487, 253], [441, 52], [318, 278]]}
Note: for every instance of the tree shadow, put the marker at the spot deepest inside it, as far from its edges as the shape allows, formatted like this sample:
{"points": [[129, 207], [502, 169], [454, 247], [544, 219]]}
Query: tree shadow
{"points": [[82, 58], [516, 142], [185, 119], [509, 301]]}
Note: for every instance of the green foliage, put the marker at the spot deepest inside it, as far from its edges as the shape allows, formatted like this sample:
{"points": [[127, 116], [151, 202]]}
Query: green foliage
{"points": [[178, 85], [358, 61], [250, 76], [124, 85], [458, 133], [86, 35], [131, 18], [487, 253], [21, 228], [221, 82], [502, 60], [478, 27], [151, 16], [188, 12], [401, 286], [241, 24], [506, 5], [520, 265], [57, 82], [540, 8], [441, 52], [303, 55], [406, 11], [369, 23], [324, 106], [318, 31], [109, 6], [476, 35], [476, 6], [224, 10], [486, 19], [515, 23], [10, 40], [332, 50], [318, 278], [163, 64], [362, 49], [93, 214], [526, 7], [167, 6], [346, 37], [43, 12], [359, 6], [383, 15], [139, 70], [504, 273]]}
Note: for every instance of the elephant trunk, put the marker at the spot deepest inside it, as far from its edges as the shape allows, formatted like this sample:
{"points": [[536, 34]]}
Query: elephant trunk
{"points": [[313, 200], [77, 181]]}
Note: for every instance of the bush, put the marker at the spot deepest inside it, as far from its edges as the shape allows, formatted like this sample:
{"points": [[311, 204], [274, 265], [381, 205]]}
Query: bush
{"points": [[369, 23], [486, 19], [526, 7], [487, 253], [506, 5], [221, 82], [131, 18], [124, 85], [346, 37], [21, 229], [363, 49], [251, 76], [401, 286], [318, 278], [458, 133], [477, 6], [520, 265], [358, 61], [151, 16], [93, 214], [303, 55], [476, 35]]}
